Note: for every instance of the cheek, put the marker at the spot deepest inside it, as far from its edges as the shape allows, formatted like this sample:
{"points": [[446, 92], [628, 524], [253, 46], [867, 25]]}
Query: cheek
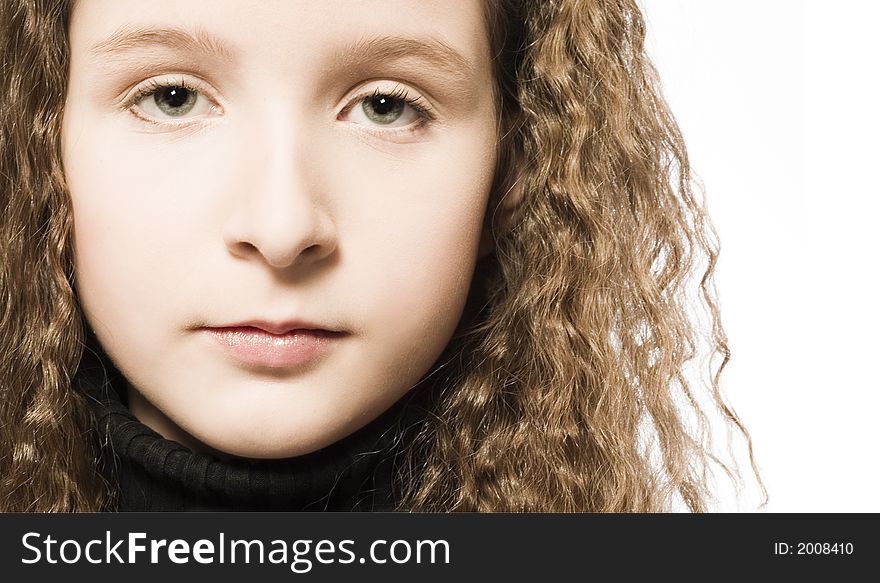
{"points": [[417, 245], [133, 234], [420, 295], [426, 271]]}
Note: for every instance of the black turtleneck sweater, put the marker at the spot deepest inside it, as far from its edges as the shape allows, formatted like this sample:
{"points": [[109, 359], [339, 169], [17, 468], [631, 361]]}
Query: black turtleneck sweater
{"points": [[149, 473]]}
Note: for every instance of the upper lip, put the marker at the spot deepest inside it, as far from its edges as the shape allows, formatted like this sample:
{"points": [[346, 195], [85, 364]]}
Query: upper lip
{"points": [[279, 327]]}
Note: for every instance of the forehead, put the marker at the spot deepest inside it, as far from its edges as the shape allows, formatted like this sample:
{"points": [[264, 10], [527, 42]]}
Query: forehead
{"points": [[448, 35]]}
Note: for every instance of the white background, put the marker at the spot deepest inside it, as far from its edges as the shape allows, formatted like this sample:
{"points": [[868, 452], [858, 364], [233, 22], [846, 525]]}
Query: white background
{"points": [[778, 101]]}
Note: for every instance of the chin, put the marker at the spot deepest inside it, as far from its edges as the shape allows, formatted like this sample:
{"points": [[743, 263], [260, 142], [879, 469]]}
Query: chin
{"points": [[258, 443]]}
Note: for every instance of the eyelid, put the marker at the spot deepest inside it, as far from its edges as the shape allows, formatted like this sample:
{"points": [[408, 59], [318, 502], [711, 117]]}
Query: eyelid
{"points": [[423, 108], [149, 86]]}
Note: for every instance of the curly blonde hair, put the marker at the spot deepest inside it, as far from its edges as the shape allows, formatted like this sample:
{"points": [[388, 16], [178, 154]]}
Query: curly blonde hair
{"points": [[565, 387], [47, 460]]}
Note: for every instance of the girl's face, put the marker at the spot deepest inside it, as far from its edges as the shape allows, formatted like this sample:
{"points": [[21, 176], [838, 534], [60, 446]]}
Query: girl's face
{"points": [[303, 164]]}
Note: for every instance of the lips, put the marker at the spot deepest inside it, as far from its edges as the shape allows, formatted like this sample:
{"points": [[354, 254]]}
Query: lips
{"points": [[279, 327], [275, 345]]}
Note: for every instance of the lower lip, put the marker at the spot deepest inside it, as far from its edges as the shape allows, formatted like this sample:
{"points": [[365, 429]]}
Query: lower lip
{"points": [[257, 347]]}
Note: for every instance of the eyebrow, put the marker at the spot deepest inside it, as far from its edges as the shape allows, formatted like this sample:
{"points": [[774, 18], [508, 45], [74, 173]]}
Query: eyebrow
{"points": [[131, 38], [431, 51]]}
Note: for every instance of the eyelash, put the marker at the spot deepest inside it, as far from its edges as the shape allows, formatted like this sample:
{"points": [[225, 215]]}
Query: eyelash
{"points": [[418, 104], [422, 109], [151, 87]]}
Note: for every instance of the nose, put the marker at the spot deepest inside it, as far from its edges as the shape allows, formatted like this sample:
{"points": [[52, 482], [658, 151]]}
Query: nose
{"points": [[281, 214]]}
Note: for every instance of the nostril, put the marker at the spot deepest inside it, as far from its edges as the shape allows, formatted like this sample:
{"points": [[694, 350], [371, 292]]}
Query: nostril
{"points": [[320, 249]]}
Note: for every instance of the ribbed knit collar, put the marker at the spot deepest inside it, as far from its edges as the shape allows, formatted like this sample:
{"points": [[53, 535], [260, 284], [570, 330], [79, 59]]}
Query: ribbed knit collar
{"points": [[149, 472]]}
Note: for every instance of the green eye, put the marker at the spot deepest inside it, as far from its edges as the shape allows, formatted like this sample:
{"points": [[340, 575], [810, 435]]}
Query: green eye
{"points": [[388, 112], [175, 101], [383, 109]]}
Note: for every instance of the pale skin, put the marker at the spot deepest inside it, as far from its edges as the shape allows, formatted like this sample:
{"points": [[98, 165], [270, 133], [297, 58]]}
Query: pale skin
{"points": [[275, 193]]}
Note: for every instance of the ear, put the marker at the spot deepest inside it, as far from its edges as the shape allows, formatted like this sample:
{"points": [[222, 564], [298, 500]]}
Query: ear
{"points": [[500, 210]]}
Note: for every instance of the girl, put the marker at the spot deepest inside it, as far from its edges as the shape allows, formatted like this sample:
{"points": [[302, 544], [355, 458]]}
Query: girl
{"points": [[428, 256]]}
